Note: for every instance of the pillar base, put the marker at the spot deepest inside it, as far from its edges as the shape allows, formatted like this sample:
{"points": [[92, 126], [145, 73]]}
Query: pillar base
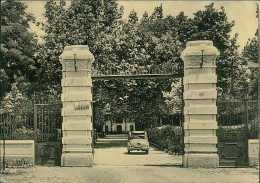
{"points": [[200, 160], [77, 159], [253, 161]]}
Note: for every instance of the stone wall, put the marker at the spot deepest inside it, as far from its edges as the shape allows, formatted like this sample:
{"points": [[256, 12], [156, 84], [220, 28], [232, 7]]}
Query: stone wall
{"points": [[18, 153], [253, 152]]}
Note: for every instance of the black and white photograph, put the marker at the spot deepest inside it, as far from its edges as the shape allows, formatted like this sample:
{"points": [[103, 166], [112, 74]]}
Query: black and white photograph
{"points": [[129, 91]]}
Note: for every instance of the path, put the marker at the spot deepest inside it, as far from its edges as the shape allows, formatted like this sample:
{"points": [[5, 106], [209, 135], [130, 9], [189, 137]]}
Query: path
{"points": [[112, 150]]}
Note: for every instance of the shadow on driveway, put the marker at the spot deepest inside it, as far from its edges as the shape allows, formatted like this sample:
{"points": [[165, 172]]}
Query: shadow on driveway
{"points": [[112, 151], [111, 141]]}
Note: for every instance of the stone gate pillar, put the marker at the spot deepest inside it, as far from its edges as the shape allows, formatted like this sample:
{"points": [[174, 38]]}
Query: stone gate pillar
{"points": [[200, 109], [77, 106]]}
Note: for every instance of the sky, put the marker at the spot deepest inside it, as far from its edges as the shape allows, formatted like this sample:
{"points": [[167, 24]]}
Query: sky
{"points": [[242, 12]]}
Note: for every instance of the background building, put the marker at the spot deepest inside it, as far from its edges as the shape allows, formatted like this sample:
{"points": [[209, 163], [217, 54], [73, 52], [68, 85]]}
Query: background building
{"points": [[118, 127]]}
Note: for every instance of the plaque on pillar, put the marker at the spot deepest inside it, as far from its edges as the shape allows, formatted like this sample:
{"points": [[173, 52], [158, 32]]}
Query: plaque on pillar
{"points": [[81, 105]]}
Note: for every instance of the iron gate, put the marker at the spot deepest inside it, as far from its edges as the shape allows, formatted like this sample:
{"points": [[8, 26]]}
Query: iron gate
{"points": [[47, 134], [237, 122]]}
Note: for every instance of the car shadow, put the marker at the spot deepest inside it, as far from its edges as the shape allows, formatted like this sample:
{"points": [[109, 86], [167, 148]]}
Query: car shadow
{"points": [[135, 153]]}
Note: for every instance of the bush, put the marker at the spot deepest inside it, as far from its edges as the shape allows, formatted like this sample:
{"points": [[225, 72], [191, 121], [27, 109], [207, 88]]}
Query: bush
{"points": [[17, 162], [168, 137], [238, 132], [22, 134]]}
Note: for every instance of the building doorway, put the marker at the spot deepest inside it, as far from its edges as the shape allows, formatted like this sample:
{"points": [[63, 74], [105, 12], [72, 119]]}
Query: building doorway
{"points": [[106, 128], [119, 128], [131, 127]]}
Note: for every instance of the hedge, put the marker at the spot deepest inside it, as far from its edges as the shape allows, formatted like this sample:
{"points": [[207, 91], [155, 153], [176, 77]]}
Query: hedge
{"points": [[168, 137], [22, 134]]}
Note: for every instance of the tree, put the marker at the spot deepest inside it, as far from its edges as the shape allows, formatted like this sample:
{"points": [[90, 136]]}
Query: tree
{"points": [[174, 98], [135, 51], [91, 23], [84, 23], [213, 24], [118, 47], [15, 104], [160, 50], [5, 83], [228, 64], [250, 50], [151, 45], [208, 24], [18, 45], [250, 57]]}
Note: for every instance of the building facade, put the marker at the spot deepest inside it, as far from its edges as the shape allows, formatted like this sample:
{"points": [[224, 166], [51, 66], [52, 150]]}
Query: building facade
{"points": [[118, 127]]}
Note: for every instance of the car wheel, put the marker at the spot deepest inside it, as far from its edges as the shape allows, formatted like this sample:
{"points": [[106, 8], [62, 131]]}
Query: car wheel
{"points": [[147, 151], [128, 151]]}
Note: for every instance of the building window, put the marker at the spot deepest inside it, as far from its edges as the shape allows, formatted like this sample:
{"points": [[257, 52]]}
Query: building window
{"points": [[119, 128], [106, 128], [131, 127]]}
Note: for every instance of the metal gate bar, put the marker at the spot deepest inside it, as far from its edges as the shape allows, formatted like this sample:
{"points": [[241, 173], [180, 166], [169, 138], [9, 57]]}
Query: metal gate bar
{"points": [[47, 121], [235, 127]]}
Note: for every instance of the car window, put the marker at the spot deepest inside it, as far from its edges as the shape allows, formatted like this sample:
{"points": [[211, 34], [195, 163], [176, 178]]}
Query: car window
{"points": [[137, 137], [140, 133]]}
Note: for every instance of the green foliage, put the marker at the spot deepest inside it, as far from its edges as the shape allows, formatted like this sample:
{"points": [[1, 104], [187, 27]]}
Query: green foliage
{"points": [[84, 23], [16, 105], [232, 73], [153, 43], [230, 132], [250, 57], [240, 132], [168, 137], [23, 134], [212, 24], [5, 83], [117, 46], [18, 45], [173, 99], [18, 162], [250, 50], [134, 46]]}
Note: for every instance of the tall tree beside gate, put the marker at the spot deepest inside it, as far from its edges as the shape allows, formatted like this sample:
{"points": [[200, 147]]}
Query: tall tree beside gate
{"points": [[208, 24], [250, 50], [213, 24], [132, 44], [15, 105], [250, 56], [18, 45], [160, 48], [112, 41], [84, 23]]}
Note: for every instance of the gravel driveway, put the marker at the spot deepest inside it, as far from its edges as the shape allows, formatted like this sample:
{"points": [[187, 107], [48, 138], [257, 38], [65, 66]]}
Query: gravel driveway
{"points": [[112, 150]]}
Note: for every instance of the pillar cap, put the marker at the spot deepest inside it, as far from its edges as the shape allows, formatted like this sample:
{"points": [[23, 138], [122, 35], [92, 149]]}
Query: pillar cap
{"points": [[79, 52], [193, 48]]}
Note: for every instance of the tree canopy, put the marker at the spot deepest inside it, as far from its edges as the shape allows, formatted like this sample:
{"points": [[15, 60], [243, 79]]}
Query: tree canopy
{"points": [[250, 58], [18, 45], [152, 43]]}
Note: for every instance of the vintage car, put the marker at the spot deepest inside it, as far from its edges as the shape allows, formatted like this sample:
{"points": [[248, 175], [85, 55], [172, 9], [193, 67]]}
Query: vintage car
{"points": [[138, 140]]}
